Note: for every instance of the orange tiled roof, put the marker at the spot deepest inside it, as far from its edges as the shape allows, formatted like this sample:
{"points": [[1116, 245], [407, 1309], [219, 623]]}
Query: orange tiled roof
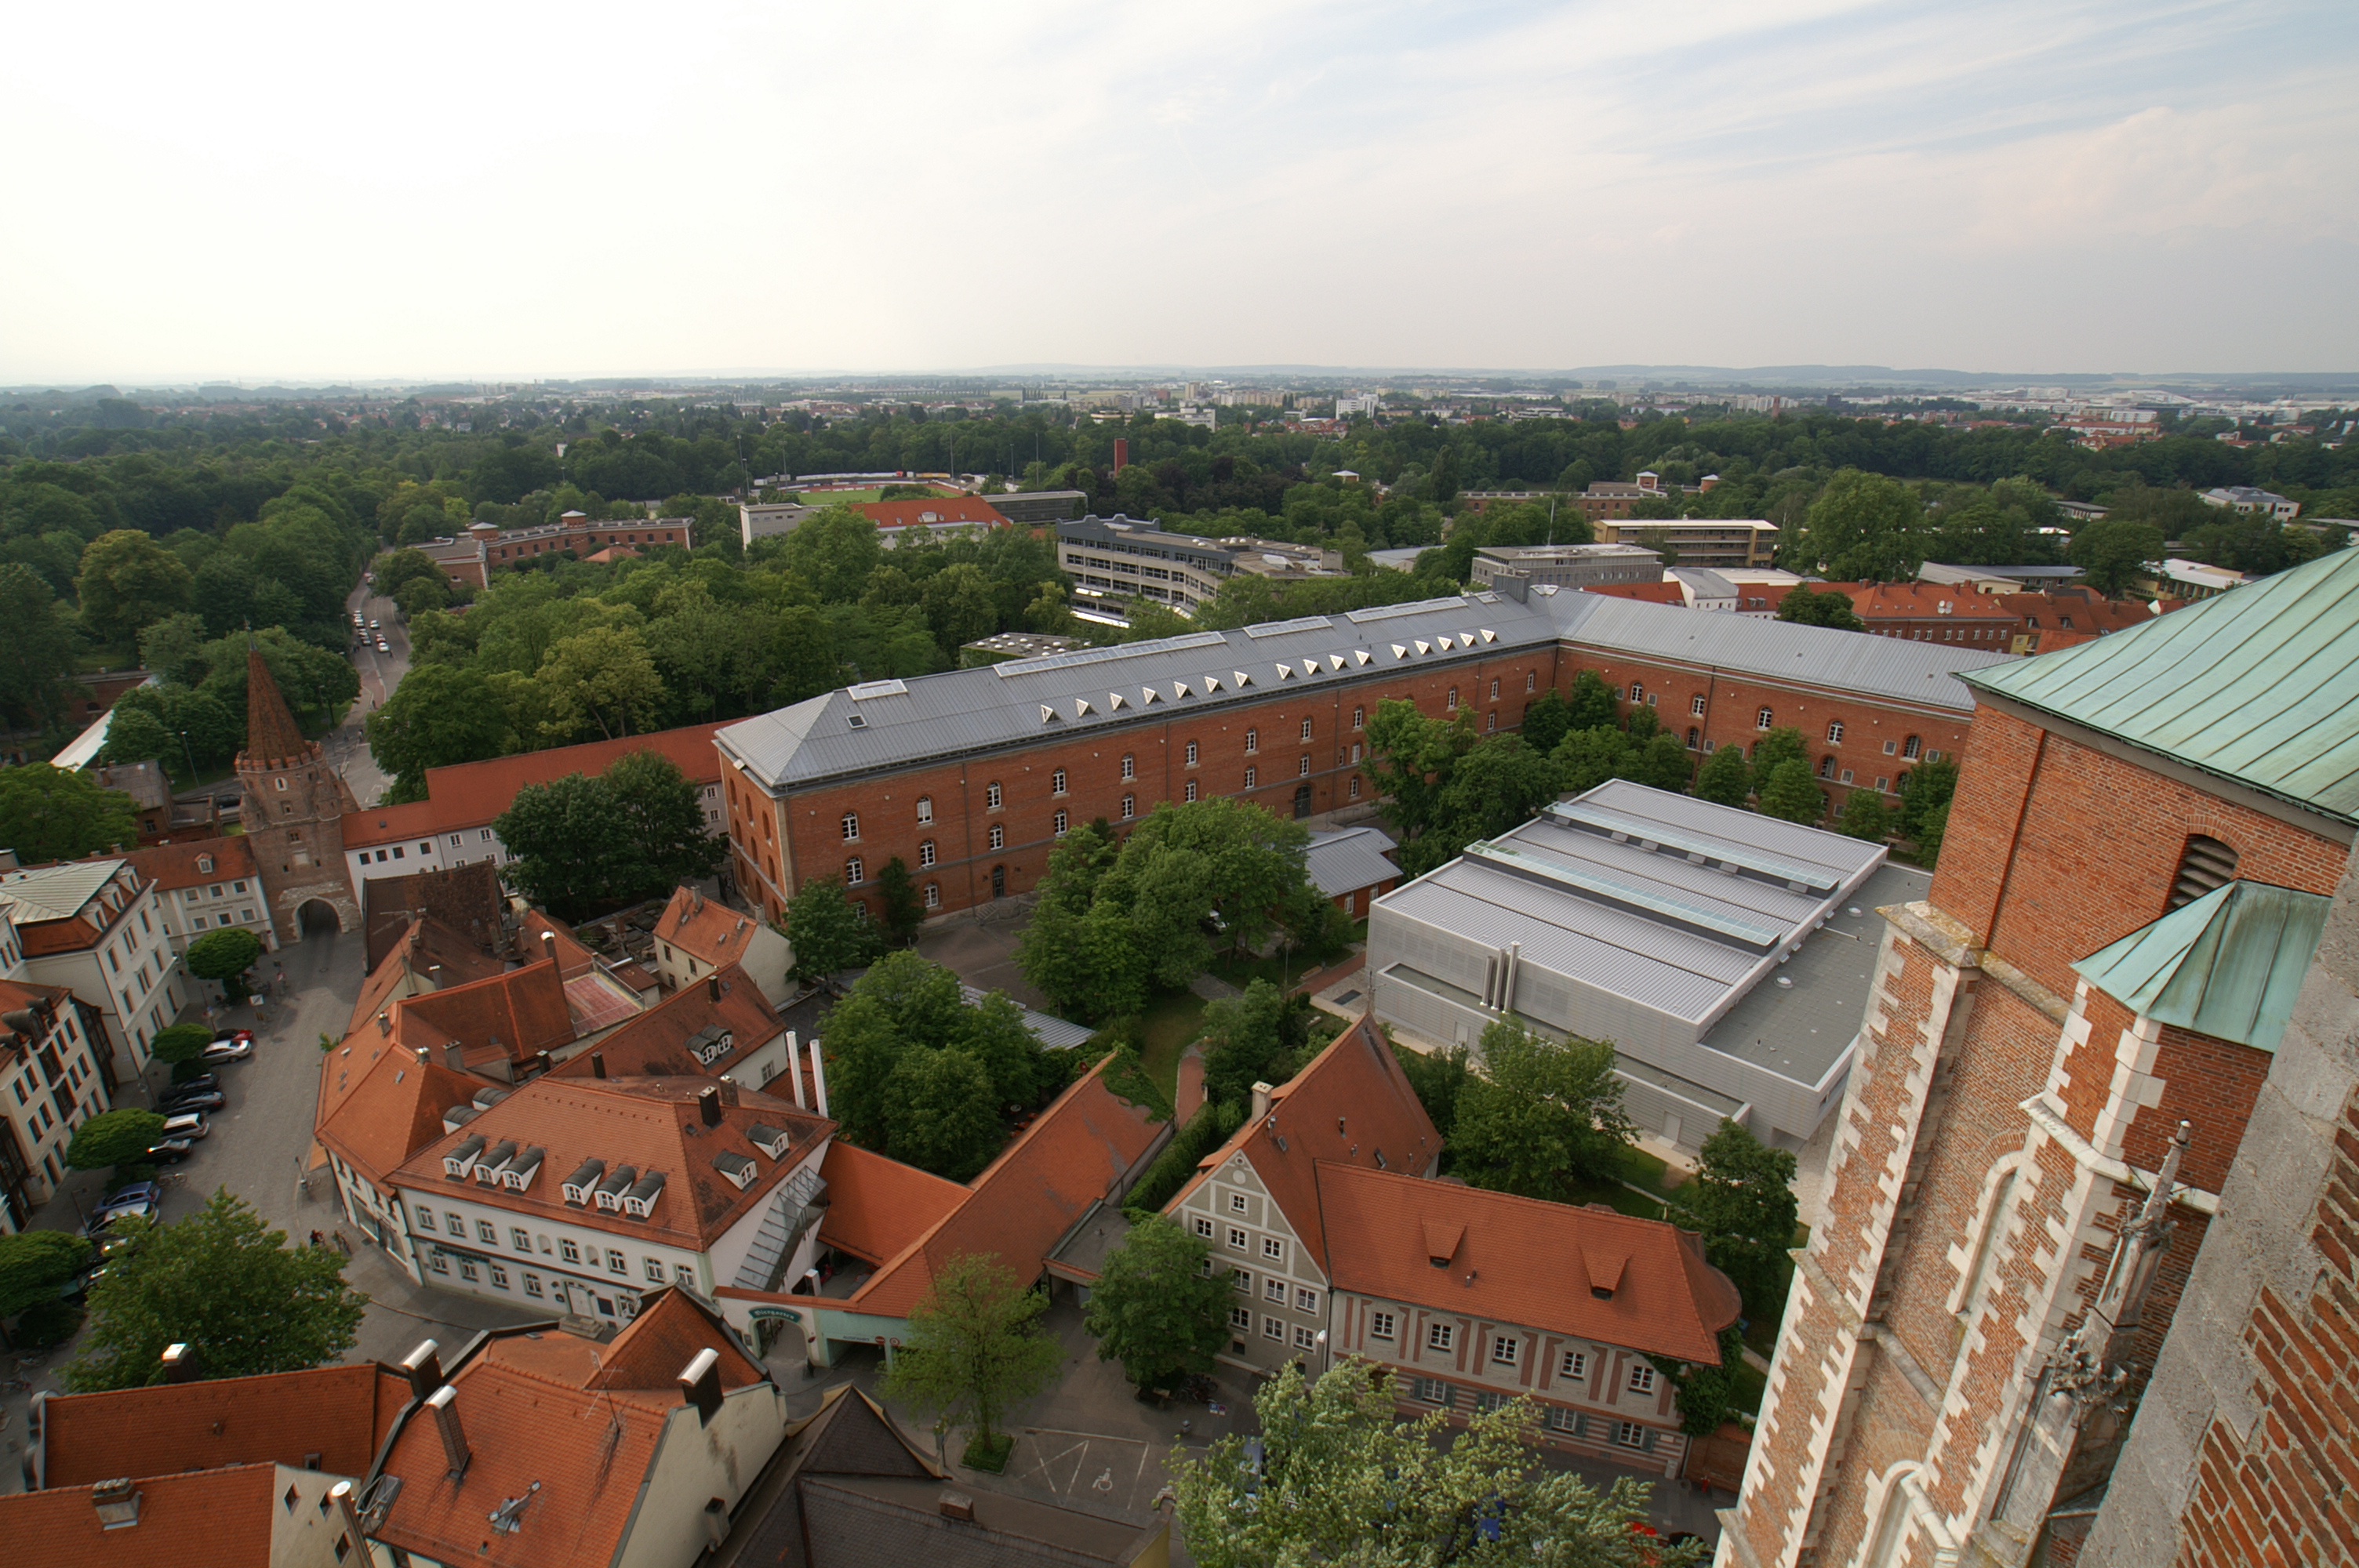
{"points": [[271, 732], [203, 1518], [174, 866], [931, 508], [513, 1015], [426, 943], [1355, 1082], [1874, 601], [213, 1423], [651, 1124], [470, 795], [1026, 1200], [1647, 592], [379, 1103], [704, 930], [876, 1206], [462, 899], [1524, 1261], [654, 1042]]}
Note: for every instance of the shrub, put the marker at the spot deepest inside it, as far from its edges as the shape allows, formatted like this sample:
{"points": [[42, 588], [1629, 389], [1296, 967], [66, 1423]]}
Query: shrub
{"points": [[45, 1324], [1206, 1130]]}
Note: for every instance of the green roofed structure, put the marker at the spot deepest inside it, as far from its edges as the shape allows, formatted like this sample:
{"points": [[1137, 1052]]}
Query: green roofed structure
{"points": [[2259, 685], [2229, 965]]}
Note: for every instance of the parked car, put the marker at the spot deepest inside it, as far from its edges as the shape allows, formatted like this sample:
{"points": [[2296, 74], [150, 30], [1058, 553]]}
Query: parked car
{"points": [[228, 1048], [203, 1099], [139, 1199], [373, 626], [383, 646], [192, 1084], [171, 1152], [187, 1124]]}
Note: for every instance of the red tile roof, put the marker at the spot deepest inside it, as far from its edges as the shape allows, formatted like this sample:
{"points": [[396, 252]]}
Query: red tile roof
{"points": [[379, 1103], [281, 1418], [1524, 1261], [204, 1519], [1025, 1201], [654, 1042], [174, 866], [1646, 592], [651, 1124], [462, 899], [271, 732], [931, 509], [1352, 1103], [876, 1206], [705, 930], [470, 795], [513, 1016], [1875, 601]]}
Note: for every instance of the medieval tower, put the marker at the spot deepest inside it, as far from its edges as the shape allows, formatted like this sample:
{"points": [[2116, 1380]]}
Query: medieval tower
{"points": [[295, 807]]}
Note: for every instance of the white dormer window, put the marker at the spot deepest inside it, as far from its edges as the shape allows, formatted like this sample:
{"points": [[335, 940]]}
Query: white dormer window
{"points": [[204, 865]]}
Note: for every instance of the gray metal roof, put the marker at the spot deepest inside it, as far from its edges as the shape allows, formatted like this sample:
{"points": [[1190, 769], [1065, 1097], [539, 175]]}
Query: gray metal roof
{"points": [[57, 893], [1000, 706], [1350, 858], [1046, 1028], [2260, 685]]}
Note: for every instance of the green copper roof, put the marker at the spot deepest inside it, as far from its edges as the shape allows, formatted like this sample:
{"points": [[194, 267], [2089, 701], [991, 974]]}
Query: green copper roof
{"points": [[2260, 684], [2228, 964]]}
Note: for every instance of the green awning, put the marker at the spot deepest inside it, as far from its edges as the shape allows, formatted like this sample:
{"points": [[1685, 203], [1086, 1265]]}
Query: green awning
{"points": [[2228, 964]]}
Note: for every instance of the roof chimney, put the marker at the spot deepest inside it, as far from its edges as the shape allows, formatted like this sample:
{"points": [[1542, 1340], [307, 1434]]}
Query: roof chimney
{"points": [[707, 1106], [958, 1505], [695, 901], [423, 1368], [384, 1022], [434, 976], [597, 1063], [454, 1055], [421, 1053], [454, 1440], [1261, 1093], [712, 987], [117, 1503], [180, 1364], [548, 946], [341, 1495], [728, 1086], [699, 1384]]}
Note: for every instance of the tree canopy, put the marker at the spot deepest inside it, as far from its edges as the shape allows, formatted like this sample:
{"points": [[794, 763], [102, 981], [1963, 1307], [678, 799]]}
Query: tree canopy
{"points": [[1542, 1115], [224, 955], [582, 845], [976, 1347], [1156, 1308], [34, 1264], [53, 814], [1743, 1200], [825, 932], [1831, 607]]}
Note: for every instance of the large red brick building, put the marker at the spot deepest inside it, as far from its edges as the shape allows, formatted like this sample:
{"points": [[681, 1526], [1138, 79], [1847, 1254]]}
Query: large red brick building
{"points": [[2137, 874], [971, 777]]}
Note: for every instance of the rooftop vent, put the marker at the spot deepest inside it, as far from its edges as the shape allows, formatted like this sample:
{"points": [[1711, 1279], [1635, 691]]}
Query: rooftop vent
{"points": [[117, 1503], [700, 1382], [958, 1505]]}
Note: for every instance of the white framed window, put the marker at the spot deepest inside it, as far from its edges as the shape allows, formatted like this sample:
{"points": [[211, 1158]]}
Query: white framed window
{"points": [[1192, 753], [615, 1262], [532, 1285], [1274, 1249], [1695, 706], [1056, 782], [467, 1271], [455, 1225], [425, 1215], [1380, 1326], [1305, 730], [1451, 703], [1560, 1419], [1129, 766], [933, 895], [1910, 746], [1359, 719], [1129, 807], [1505, 1349], [1761, 721], [1495, 695], [925, 809], [1531, 683], [1273, 1328], [457, 840], [998, 837], [1491, 724], [438, 1261], [1253, 741], [1236, 1203], [654, 1267], [1637, 691], [569, 1251], [1189, 793], [991, 796], [851, 828], [1204, 1228], [1273, 1289], [499, 1277], [1241, 1319], [1432, 1390], [1355, 787], [1305, 1338], [1302, 769], [1061, 823], [520, 1239], [1440, 1335], [1306, 1299], [1642, 1380], [1573, 1364], [1253, 777], [488, 835], [1237, 1238], [1241, 1280], [1629, 1435], [855, 872], [925, 853], [1834, 732]]}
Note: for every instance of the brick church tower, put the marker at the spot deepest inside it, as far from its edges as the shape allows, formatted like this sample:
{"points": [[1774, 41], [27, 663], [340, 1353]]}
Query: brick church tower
{"points": [[295, 807], [2138, 867]]}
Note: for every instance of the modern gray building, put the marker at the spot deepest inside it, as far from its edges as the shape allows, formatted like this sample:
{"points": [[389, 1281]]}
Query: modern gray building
{"points": [[1727, 955], [1566, 565]]}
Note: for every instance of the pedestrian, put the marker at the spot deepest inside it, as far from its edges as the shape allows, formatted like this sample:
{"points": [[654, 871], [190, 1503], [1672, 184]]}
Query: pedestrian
{"points": [[318, 1239]]}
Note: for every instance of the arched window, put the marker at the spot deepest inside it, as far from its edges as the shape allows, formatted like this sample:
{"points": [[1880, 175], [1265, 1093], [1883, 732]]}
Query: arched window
{"points": [[1129, 807], [991, 796], [1761, 721], [1359, 719], [1191, 758], [855, 873], [1494, 697], [1834, 733], [1692, 737], [1253, 741], [1306, 723], [2205, 865], [925, 809], [852, 827], [998, 837], [1910, 748], [1695, 706], [1452, 703], [926, 852], [1129, 765], [1056, 782], [1062, 823], [1637, 691], [1253, 777], [1191, 792]]}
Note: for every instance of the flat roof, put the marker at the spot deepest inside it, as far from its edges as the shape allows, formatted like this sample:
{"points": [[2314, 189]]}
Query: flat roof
{"points": [[1800, 1029]]}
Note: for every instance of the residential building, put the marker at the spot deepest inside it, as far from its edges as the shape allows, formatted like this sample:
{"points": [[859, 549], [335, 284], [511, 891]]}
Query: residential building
{"points": [[696, 936], [971, 777], [1566, 565], [206, 885], [1924, 611], [1703, 588], [1471, 1298], [2189, 580], [2071, 1034], [930, 517], [95, 928], [464, 900], [295, 811], [453, 825], [1723, 952], [51, 1082], [1352, 866], [151, 793], [719, 1027], [1714, 542], [2250, 499], [2063, 617], [849, 1490]]}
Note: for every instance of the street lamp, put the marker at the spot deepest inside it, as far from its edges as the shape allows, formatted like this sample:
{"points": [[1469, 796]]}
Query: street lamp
{"points": [[192, 756]]}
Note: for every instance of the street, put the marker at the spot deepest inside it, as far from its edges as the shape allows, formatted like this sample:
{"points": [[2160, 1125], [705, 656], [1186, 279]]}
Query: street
{"points": [[347, 745]]}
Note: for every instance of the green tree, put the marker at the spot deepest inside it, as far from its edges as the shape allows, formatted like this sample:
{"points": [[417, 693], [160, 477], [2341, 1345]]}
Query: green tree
{"points": [[224, 956], [225, 1285], [2111, 551], [1724, 778], [121, 1136], [906, 1007], [1541, 1115], [1156, 1308], [898, 908], [1437, 1076], [1410, 758], [1864, 817], [603, 676], [34, 1264], [1546, 720], [1792, 793], [1776, 747], [128, 582], [1593, 703], [1930, 827], [1664, 764], [36, 656], [976, 1347], [396, 570], [422, 596], [1251, 1038], [584, 844], [658, 825], [136, 735], [941, 1113], [440, 715], [826, 933], [1587, 758], [1743, 1198], [1926, 788], [1340, 1478], [834, 549], [1863, 528], [1832, 608], [178, 1042], [174, 647], [51, 814]]}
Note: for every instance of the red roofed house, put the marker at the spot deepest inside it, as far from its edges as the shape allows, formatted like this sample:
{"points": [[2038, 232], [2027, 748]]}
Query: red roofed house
{"points": [[207, 883], [1657, 593], [721, 1026], [695, 937], [92, 927], [453, 825], [929, 514], [1931, 612]]}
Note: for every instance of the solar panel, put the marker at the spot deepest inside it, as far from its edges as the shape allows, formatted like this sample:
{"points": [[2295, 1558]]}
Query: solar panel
{"points": [[876, 688]]}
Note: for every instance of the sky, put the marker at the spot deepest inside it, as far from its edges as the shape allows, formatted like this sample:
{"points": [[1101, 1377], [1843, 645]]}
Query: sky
{"points": [[493, 191]]}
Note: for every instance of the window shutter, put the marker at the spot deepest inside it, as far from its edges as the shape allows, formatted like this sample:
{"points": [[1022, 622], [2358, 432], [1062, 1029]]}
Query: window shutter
{"points": [[1580, 1425], [1647, 1442]]}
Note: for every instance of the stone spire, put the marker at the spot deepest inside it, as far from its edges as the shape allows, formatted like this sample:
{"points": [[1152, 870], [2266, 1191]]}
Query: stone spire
{"points": [[271, 734]]}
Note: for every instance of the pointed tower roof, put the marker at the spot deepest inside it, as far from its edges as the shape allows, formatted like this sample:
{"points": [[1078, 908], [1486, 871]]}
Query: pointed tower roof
{"points": [[271, 733]]}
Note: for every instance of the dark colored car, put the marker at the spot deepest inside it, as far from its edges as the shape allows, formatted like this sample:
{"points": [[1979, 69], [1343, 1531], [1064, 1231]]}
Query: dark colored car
{"points": [[192, 1084], [203, 1099], [171, 1152]]}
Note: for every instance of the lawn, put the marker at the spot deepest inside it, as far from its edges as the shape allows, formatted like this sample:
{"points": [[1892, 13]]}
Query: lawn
{"points": [[1165, 1028]]}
